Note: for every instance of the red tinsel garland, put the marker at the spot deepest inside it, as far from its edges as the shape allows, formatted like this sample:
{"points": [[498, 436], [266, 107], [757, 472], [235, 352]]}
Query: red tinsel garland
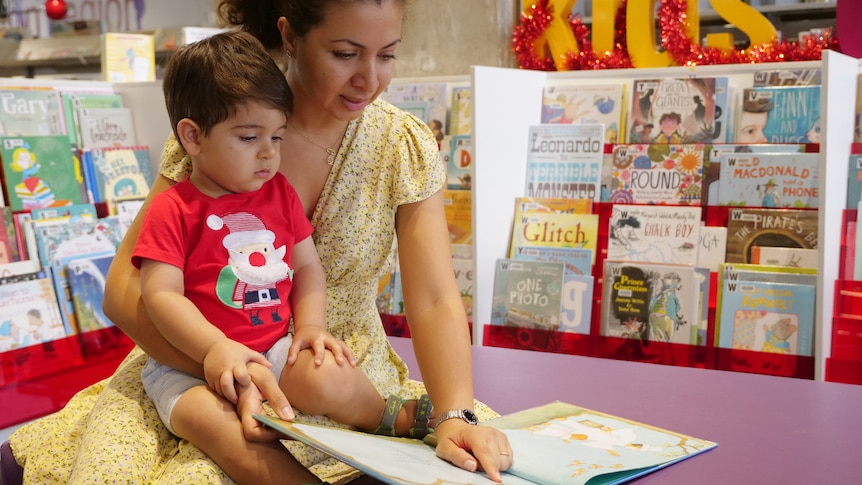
{"points": [[672, 27]]}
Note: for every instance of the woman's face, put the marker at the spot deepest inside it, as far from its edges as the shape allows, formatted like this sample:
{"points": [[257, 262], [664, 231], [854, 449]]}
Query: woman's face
{"points": [[344, 63]]}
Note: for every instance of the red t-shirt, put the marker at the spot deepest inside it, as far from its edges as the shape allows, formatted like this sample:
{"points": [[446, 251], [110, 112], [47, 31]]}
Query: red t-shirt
{"points": [[230, 251]]}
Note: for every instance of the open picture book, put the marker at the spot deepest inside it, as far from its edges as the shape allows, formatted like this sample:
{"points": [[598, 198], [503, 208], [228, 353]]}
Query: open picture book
{"points": [[556, 443]]}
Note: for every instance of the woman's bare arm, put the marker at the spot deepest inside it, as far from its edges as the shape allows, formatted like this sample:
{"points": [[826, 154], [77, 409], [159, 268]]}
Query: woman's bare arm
{"points": [[122, 301]]}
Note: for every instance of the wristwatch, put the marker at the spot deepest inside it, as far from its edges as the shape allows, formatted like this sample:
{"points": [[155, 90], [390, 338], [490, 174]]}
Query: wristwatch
{"points": [[467, 415]]}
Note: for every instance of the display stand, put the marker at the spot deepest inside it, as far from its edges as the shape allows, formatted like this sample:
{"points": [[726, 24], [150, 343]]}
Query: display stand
{"points": [[500, 148]]}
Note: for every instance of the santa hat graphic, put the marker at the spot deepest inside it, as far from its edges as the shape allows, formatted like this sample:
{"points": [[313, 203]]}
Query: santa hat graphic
{"points": [[244, 229]]}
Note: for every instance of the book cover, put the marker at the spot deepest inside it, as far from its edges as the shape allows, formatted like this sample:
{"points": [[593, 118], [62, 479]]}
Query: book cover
{"points": [[767, 317], [128, 57], [30, 112], [527, 294], [72, 102], [701, 330], [458, 205], [712, 248], [657, 174], [73, 212], [86, 278], [723, 105], [769, 180], [531, 205], [672, 110], [587, 103], [576, 303], [464, 278], [460, 172], [714, 153], [59, 238], [120, 172], [461, 111], [8, 237], [30, 314], [556, 230], [787, 77], [565, 161], [577, 261], [40, 171], [789, 257], [779, 114], [106, 127], [434, 95], [748, 227], [654, 234], [651, 302], [608, 449], [854, 182]]}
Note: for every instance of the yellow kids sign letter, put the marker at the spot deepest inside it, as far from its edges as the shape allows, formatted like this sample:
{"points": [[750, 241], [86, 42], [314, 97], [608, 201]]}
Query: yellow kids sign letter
{"points": [[558, 39]]}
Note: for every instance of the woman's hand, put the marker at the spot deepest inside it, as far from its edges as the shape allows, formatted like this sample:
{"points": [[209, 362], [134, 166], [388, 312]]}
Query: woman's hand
{"points": [[263, 387], [474, 447]]}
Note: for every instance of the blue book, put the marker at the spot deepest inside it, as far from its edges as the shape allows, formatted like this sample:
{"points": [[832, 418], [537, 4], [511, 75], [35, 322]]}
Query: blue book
{"points": [[854, 182], [779, 114], [86, 280], [766, 316], [577, 261]]}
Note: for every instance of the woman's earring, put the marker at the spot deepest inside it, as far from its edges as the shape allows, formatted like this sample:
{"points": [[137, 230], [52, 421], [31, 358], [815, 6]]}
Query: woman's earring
{"points": [[289, 54]]}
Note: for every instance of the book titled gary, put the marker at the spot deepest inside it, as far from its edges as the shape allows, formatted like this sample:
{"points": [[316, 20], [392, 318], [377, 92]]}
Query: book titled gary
{"points": [[608, 449], [565, 161]]}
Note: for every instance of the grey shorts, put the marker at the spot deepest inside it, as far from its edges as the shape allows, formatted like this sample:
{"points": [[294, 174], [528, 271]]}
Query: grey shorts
{"points": [[164, 385]]}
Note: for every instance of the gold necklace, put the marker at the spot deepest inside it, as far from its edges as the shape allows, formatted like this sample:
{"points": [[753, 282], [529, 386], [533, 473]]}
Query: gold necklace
{"points": [[330, 152]]}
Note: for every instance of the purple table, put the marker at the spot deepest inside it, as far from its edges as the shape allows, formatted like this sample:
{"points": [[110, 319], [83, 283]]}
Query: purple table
{"points": [[768, 429]]}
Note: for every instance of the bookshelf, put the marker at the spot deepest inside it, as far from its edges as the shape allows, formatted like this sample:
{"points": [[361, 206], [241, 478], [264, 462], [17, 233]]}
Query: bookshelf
{"points": [[500, 125]]}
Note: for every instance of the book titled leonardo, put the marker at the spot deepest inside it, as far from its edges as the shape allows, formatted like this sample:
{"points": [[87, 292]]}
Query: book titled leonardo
{"points": [[608, 449], [565, 161]]}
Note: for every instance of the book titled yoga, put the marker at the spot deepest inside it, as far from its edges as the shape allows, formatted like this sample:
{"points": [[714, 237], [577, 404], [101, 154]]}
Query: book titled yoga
{"points": [[556, 443]]}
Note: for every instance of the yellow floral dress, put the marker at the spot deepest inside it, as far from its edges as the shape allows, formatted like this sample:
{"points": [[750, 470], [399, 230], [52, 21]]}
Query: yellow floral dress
{"points": [[111, 431]]}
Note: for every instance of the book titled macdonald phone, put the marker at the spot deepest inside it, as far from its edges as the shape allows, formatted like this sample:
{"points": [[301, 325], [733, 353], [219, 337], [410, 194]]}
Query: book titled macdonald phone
{"points": [[553, 444]]}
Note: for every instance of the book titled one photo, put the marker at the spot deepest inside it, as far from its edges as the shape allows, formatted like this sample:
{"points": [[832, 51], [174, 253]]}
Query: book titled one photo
{"points": [[527, 294]]}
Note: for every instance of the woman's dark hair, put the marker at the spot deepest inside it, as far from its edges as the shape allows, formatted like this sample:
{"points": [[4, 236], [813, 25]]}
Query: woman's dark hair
{"points": [[260, 17]]}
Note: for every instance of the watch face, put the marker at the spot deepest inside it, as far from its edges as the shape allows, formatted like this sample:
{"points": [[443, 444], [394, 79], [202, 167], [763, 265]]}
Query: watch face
{"points": [[470, 417]]}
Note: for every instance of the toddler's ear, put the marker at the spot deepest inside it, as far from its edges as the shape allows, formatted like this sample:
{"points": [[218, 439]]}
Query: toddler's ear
{"points": [[189, 134]]}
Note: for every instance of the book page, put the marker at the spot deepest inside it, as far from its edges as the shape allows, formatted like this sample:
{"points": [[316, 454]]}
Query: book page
{"points": [[392, 460]]}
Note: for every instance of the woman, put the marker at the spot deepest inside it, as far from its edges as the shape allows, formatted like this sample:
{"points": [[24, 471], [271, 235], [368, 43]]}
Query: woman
{"points": [[364, 171]]}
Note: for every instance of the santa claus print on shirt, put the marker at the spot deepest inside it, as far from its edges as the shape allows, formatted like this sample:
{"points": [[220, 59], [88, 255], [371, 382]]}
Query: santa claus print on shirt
{"points": [[254, 267]]}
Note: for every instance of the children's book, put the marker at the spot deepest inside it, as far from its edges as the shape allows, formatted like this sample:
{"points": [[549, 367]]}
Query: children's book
{"points": [[458, 205], [787, 77], [433, 96], [30, 314], [30, 112], [789, 257], [527, 294], [748, 227], [73, 212], [609, 449], [769, 180], [530, 205], [651, 302], [464, 278], [654, 234], [126, 209], [578, 283], [672, 110], [72, 102], [714, 153], [58, 238], [86, 278], [767, 316], [128, 57], [556, 230], [106, 127], [460, 172], [657, 174], [119, 172], [461, 111], [701, 329], [854, 182], [565, 161], [723, 105], [712, 248], [40, 171], [779, 114], [578, 261], [8, 237], [590, 104]]}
